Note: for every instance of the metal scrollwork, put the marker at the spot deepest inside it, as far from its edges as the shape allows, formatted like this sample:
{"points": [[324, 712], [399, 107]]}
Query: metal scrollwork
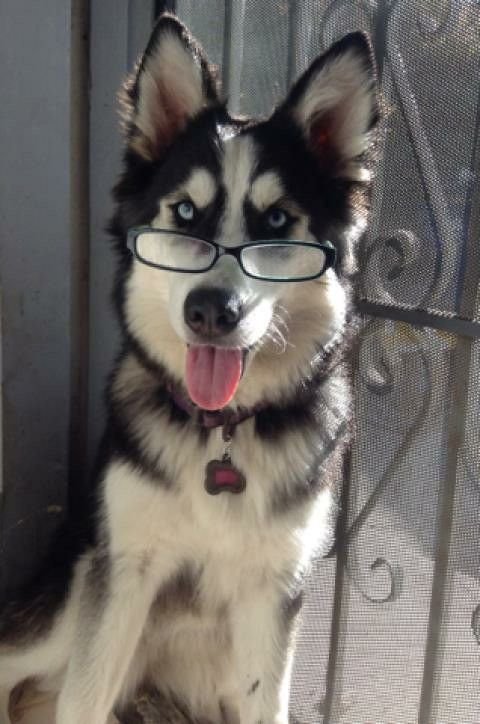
{"points": [[470, 461], [373, 333], [387, 581], [411, 272], [475, 623], [335, 7], [420, 264], [469, 451], [379, 367], [430, 28], [389, 260]]}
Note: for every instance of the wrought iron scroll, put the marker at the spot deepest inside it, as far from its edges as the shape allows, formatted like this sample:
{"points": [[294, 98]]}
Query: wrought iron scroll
{"points": [[469, 459], [475, 623], [402, 245], [381, 379]]}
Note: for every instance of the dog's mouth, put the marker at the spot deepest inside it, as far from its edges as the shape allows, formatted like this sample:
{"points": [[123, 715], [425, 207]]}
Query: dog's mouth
{"points": [[213, 374]]}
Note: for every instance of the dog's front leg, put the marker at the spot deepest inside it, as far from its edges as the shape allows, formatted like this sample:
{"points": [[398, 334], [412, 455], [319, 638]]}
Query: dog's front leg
{"points": [[263, 653], [115, 603]]}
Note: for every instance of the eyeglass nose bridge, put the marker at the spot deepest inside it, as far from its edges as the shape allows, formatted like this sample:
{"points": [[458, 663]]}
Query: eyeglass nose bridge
{"points": [[228, 251]]}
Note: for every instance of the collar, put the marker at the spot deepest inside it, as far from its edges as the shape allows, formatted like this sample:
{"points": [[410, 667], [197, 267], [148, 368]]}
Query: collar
{"points": [[227, 418]]}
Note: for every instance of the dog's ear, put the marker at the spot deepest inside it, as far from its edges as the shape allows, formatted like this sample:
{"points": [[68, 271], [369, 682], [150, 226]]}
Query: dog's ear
{"points": [[335, 105], [173, 84]]}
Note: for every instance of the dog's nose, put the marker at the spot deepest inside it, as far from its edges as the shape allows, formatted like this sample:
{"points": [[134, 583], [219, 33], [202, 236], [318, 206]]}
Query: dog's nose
{"points": [[212, 312]]}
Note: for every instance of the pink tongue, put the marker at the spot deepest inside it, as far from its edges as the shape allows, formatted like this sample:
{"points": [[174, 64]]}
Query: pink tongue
{"points": [[213, 374]]}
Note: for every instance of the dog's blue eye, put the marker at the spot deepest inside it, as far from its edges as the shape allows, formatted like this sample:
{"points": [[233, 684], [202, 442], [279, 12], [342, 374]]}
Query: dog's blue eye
{"points": [[185, 210], [277, 219]]}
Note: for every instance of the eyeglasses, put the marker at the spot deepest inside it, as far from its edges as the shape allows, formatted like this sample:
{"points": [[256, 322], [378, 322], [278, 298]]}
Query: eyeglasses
{"points": [[274, 261]]}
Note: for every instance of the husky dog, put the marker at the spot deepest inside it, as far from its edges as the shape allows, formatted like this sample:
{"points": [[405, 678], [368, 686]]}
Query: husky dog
{"points": [[229, 407]]}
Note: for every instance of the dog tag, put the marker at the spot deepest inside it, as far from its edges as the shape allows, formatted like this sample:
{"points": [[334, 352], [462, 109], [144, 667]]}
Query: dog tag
{"points": [[222, 476]]}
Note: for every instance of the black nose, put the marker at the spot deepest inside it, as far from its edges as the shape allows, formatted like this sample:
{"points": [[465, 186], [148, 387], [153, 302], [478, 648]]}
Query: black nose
{"points": [[212, 312]]}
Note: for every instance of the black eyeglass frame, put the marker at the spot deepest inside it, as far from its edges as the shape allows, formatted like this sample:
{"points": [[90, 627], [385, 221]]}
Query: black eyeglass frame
{"points": [[235, 251]]}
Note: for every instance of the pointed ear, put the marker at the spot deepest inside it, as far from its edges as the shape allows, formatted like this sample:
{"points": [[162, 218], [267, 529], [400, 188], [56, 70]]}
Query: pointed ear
{"points": [[172, 85], [334, 103]]}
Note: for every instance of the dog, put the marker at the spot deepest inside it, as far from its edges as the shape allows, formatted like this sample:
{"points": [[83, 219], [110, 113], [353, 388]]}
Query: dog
{"points": [[229, 408]]}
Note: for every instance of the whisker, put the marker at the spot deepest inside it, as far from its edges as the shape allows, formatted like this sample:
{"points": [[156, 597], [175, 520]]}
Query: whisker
{"points": [[278, 331]]}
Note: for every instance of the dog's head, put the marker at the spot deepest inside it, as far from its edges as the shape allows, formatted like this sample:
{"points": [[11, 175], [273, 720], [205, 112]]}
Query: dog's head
{"points": [[192, 168]]}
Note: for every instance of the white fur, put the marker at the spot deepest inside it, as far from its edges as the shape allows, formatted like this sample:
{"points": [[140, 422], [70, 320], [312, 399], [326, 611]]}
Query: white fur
{"points": [[341, 87], [238, 168], [244, 566], [170, 93], [311, 308], [200, 187], [266, 190]]}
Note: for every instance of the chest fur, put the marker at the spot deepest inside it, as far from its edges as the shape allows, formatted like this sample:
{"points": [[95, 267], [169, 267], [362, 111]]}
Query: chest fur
{"points": [[155, 502], [236, 540]]}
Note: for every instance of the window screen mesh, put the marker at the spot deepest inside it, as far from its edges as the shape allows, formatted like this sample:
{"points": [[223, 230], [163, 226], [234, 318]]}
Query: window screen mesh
{"points": [[391, 626]]}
